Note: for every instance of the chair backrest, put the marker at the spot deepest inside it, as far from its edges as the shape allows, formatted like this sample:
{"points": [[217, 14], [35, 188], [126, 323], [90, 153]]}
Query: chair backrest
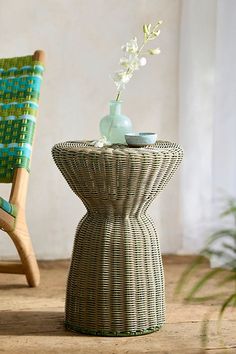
{"points": [[20, 81]]}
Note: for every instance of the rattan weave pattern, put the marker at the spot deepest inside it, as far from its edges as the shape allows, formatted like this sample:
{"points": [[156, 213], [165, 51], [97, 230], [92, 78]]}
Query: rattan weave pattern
{"points": [[116, 282], [20, 81]]}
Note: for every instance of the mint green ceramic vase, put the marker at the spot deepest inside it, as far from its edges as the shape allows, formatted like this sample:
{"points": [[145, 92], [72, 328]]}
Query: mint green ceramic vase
{"points": [[115, 125]]}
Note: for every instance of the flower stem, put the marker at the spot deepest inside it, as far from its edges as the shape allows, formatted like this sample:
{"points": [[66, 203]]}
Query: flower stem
{"points": [[118, 95]]}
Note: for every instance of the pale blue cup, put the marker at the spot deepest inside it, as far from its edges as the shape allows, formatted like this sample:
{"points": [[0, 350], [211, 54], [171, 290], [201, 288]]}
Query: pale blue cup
{"points": [[140, 139]]}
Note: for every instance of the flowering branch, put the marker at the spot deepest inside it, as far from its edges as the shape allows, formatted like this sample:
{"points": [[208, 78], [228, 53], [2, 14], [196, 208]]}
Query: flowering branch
{"points": [[133, 58]]}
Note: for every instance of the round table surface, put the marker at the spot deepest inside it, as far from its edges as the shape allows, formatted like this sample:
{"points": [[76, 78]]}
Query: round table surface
{"points": [[161, 147]]}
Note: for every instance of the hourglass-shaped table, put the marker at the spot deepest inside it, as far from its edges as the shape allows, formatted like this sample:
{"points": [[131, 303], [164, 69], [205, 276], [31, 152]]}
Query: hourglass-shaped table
{"points": [[116, 285]]}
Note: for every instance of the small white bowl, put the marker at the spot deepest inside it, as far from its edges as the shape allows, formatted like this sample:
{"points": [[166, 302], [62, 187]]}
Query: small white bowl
{"points": [[140, 139]]}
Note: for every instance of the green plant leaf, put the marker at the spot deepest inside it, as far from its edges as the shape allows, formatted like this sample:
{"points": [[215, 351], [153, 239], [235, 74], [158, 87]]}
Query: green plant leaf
{"points": [[230, 265], [202, 282], [228, 279], [230, 210], [226, 284], [197, 261], [208, 252], [230, 261], [224, 254], [228, 301], [221, 234], [229, 247]]}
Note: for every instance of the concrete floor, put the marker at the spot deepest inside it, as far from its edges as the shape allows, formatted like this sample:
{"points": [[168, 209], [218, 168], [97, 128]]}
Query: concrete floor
{"points": [[31, 320]]}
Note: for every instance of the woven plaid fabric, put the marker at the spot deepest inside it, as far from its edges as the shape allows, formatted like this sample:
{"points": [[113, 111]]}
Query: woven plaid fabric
{"points": [[20, 80], [8, 207]]}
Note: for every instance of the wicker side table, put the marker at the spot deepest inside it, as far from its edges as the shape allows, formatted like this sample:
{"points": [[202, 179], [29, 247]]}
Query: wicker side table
{"points": [[116, 284]]}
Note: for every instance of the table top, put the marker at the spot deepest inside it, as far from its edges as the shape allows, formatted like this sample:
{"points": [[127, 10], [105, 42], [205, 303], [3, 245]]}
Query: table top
{"points": [[160, 148], [116, 172]]}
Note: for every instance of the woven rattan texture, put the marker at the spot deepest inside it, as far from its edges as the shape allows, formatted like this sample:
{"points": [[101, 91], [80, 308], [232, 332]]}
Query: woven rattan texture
{"points": [[20, 80], [116, 282]]}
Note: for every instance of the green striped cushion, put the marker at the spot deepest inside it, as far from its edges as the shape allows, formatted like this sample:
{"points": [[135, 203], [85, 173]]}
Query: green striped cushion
{"points": [[20, 81], [8, 207]]}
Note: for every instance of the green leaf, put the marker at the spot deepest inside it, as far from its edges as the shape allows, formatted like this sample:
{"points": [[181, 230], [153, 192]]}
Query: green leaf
{"points": [[222, 254], [228, 301], [221, 234], [185, 275], [208, 253], [202, 282], [230, 265], [228, 279], [229, 247], [230, 210]]}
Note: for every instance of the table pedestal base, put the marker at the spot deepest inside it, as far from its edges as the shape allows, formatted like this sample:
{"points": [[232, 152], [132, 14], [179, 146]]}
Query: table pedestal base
{"points": [[115, 285]]}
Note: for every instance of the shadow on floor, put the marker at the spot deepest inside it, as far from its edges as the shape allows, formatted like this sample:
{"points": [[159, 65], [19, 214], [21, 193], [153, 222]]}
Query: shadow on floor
{"points": [[12, 286], [33, 323]]}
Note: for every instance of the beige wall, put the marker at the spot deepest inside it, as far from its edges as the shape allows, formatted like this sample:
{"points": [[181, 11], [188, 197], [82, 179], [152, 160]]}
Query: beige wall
{"points": [[82, 40], [207, 121]]}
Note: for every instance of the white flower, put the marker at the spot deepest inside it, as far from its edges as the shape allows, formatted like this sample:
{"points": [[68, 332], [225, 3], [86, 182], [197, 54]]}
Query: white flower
{"points": [[142, 61], [101, 142], [124, 61], [131, 46], [132, 59], [131, 62], [121, 78], [154, 51]]}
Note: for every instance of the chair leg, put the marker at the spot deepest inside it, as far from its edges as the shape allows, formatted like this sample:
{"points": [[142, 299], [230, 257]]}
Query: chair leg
{"points": [[21, 238], [18, 231]]}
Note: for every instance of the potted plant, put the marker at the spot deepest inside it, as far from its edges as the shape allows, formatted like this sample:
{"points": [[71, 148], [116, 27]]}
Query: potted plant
{"points": [[221, 246]]}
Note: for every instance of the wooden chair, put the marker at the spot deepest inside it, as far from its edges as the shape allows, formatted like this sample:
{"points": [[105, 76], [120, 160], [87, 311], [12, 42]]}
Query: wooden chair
{"points": [[20, 81]]}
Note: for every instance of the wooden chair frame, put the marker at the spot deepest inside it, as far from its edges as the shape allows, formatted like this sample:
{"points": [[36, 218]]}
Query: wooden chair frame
{"points": [[16, 227]]}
